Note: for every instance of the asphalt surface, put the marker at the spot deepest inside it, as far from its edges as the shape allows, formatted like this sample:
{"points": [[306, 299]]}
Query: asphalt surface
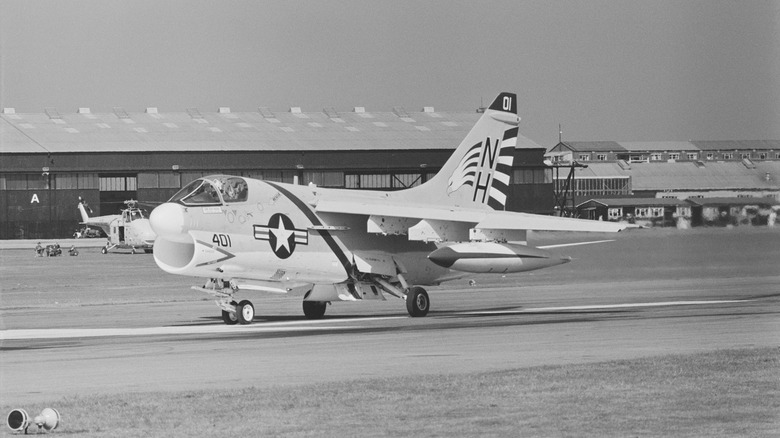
{"points": [[116, 323]]}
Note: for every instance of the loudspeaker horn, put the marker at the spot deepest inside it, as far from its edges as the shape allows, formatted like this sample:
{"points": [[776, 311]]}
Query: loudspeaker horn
{"points": [[48, 419], [18, 420]]}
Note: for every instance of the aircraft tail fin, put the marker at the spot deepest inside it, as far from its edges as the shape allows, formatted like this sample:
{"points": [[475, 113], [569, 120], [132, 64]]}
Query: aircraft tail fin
{"points": [[478, 172], [83, 211]]}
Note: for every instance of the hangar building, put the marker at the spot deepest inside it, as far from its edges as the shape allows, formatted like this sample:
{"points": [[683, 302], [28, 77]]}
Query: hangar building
{"points": [[48, 160], [669, 182], [669, 169]]}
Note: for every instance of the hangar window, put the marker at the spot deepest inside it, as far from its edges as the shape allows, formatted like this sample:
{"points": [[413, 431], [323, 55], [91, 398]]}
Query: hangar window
{"points": [[406, 180], [375, 181], [118, 183], [601, 157], [88, 181], [66, 181], [324, 179], [614, 213], [656, 157], [674, 156], [162, 180], [530, 176]]}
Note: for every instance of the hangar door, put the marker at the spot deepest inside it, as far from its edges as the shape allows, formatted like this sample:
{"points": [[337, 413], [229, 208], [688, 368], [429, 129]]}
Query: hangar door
{"points": [[115, 189]]}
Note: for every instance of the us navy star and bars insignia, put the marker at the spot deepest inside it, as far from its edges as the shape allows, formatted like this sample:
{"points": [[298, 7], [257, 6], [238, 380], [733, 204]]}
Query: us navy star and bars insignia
{"points": [[281, 235]]}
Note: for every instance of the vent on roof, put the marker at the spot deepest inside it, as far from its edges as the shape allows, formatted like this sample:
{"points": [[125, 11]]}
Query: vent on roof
{"points": [[84, 111], [331, 112], [748, 163], [623, 165], [194, 113], [9, 110], [700, 164], [428, 109], [224, 110], [360, 109], [52, 113], [295, 109], [121, 113], [151, 110], [266, 113]]}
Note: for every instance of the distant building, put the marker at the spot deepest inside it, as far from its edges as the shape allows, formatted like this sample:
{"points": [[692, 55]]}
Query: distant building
{"points": [[668, 169]]}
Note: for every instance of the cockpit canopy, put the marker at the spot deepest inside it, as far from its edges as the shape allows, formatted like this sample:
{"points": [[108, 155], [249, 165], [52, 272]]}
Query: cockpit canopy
{"points": [[212, 190], [132, 214]]}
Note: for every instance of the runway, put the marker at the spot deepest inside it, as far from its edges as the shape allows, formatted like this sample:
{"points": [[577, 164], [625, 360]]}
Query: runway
{"points": [[115, 323]]}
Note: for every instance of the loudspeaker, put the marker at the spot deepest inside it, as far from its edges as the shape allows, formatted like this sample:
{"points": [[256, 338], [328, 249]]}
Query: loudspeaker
{"points": [[18, 420], [49, 419]]}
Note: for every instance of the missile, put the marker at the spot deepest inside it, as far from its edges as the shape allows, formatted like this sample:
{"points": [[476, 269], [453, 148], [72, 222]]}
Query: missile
{"points": [[493, 257]]}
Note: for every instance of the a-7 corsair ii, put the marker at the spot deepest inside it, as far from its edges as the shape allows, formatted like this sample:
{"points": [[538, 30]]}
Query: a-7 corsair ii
{"points": [[328, 245]]}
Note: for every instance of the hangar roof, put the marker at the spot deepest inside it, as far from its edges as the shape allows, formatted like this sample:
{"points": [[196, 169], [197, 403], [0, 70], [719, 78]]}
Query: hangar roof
{"points": [[632, 202], [732, 201], [689, 175], [243, 131]]}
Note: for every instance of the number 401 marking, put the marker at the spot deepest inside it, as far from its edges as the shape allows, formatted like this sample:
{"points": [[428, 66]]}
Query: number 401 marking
{"points": [[222, 240]]}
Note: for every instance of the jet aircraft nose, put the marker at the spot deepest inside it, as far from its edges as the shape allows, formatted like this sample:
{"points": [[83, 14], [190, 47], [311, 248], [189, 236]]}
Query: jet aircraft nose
{"points": [[168, 220]]}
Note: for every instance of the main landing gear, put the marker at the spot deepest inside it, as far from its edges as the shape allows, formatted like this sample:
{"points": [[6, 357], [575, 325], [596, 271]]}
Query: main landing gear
{"points": [[417, 302], [314, 309]]}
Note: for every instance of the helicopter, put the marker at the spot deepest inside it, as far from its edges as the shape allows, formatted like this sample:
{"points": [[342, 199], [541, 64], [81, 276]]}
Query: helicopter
{"points": [[128, 230]]}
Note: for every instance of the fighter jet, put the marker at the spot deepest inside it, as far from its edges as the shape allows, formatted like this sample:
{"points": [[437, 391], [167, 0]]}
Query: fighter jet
{"points": [[128, 230], [326, 245]]}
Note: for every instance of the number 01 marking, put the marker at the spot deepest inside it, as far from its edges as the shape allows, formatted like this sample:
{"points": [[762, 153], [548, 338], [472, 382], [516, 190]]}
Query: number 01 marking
{"points": [[507, 103], [222, 240]]}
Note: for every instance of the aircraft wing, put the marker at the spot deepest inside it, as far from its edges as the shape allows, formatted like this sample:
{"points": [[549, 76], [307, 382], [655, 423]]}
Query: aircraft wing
{"points": [[475, 218]]}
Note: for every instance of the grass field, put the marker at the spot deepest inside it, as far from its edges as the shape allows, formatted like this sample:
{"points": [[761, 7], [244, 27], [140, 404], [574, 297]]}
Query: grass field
{"points": [[725, 393]]}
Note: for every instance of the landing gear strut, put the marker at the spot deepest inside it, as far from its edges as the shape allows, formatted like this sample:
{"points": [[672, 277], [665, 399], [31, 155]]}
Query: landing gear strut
{"points": [[230, 318]]}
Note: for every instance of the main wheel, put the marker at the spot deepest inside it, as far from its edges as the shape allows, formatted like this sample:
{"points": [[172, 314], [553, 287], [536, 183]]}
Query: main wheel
{"points": [[245, 312], [314, 309], [229, 318], [417, 302], [104, 250]]}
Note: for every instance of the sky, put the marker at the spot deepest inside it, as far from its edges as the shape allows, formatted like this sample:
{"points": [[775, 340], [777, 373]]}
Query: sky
{"points": [[661, 70]]}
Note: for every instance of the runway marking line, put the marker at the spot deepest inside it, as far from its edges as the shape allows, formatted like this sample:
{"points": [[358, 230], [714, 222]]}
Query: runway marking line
{"points": [[272, 327], [605, 307], [292, 326]]}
